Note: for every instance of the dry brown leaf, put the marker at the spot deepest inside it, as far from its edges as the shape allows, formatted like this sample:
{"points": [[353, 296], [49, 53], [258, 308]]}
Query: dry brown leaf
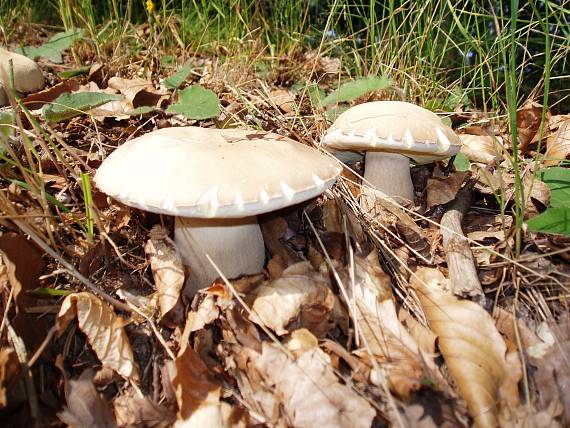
{"points": [[85, 407], [424, 337], [301, 294], [104, 331], [167, 268], [380, 331], [138, 92], [206, 313], [9, 370], [470, 344], [441, 190], [197, 395], [552, 374], [310, 393], [525, 416], [528, 124], [482, 148], [132, 410], [282, 99], [21, 265], [558, 143]]}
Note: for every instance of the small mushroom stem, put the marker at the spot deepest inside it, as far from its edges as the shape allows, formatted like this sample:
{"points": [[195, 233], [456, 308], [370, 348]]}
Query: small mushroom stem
{"points": [[389, 173], [234, 244]]}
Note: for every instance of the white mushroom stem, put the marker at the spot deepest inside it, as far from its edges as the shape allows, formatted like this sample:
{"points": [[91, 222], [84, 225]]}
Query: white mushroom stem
{"points": [[234, 244], [389, 173]]}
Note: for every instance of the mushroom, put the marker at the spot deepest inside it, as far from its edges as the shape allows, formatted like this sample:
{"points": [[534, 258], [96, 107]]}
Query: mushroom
{"points": [[391, 133], [215, 182], [27, 74]]}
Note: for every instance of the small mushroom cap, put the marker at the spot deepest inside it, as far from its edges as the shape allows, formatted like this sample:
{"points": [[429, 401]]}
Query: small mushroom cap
{"points": [[395, 127], [27, 74], [207, 173]]}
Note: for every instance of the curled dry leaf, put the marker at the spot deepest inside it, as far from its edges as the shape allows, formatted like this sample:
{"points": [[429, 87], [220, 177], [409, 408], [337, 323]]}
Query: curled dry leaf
{"points": [[104, 331], [9, 370], [558, 143], [424, 337], [552, 374], [197, 395], [167, 268], [21, 265], [528, 124], [85, 407], [381, 333], [470, 344], [441, 190], [301, 294], [132, 410], [138, 92], [282, 99], [484, 149], [310, 393]]}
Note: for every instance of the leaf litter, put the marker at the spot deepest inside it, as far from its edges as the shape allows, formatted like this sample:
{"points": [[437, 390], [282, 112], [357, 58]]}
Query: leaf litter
{"points": [[350, 324]]}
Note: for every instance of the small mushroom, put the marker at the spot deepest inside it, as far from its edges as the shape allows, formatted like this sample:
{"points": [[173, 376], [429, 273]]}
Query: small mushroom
{"points": [[391, 133], [215, 182], [27, 74]]}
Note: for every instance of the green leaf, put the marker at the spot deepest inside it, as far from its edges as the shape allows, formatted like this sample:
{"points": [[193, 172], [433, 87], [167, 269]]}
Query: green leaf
{"points": [[196, 102], [316, 94], [69, 105], [7, 120], [49, 292], [75, 72], [461, 162], [140, 110], [558, 181], [350, 91], [178, 78], [553, 220], [54, 46]]}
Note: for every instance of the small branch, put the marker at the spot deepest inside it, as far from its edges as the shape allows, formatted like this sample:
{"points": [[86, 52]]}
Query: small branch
{"points": [[462, 271]]}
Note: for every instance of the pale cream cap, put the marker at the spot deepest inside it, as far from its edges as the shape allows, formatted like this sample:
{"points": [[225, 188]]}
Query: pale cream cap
{"points": [[208, 173], [395, 127], [28, 76]]}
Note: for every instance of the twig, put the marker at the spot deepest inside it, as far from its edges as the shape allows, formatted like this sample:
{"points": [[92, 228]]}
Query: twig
{"points": [[462, 272]]}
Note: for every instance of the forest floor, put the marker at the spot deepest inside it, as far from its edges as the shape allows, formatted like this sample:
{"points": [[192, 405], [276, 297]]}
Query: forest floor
{"points": [[448, 311]]}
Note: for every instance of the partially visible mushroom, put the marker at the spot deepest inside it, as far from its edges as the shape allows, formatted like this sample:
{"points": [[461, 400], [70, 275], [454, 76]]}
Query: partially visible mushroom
{"points": [[215, 182], [391, 133], [27, 74]]}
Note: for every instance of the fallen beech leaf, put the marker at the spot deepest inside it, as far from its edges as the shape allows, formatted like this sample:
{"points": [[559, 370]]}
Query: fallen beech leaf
{"points": [[85, 407], [206, 313], [167, 268], [552, 374], [138, 92], [310, 393], [441, 190], [558, 143], [9, 370], [282, 99], [300, 294], [528, 124], [424, 337], [22, 264], [381, 332], [132, 410], [482, 148], [470, 344], [197, 396], [104, 331]]}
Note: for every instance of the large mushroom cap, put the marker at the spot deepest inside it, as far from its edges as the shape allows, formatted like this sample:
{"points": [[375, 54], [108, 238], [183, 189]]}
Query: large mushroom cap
{"points": [[394, 127], [206, 173], [27, 74]]}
